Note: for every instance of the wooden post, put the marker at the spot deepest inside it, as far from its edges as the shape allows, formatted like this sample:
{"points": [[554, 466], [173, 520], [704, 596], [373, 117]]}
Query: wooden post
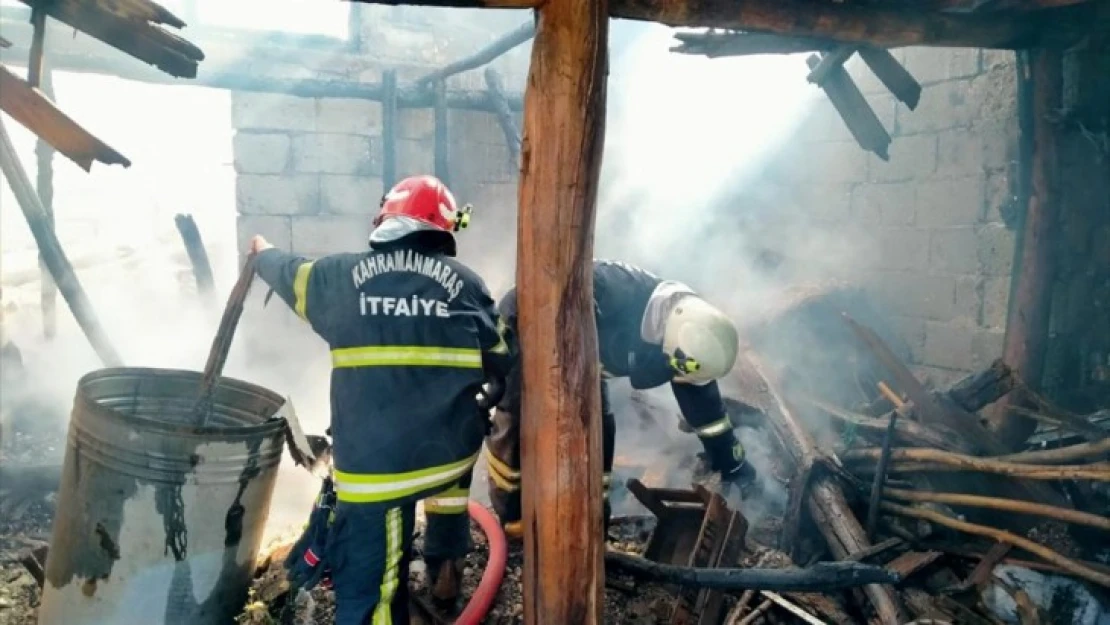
{"points": [[40, 77], [389, 129], [1034, 262], [442, 142], [564, 127]]}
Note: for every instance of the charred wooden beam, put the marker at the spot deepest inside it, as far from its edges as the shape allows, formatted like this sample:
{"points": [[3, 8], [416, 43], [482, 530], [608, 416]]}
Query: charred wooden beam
{"points": [[1034, 265], [503, 44], [999, 503], [44, 185], [880, 477], [826, 63], [51, 249], [38, 42], [720, 44], [198, 255], [821, 577], [564, 127], [916, 459], [389, 128], [31, 109], [221, 344], [892, 74], [982, 388], [504, 115], [442, 139], [850, 103]]}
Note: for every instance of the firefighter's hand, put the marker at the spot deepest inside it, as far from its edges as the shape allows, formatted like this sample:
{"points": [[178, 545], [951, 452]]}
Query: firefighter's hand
{"points": [[258, 244]]}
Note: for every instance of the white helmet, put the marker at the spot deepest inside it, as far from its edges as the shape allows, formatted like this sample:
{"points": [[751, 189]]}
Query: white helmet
{"points": [[698, 332]]}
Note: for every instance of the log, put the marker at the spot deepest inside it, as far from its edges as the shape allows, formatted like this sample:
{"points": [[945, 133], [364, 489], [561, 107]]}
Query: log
{"points": [[500, 46], [937, 460], [1050, 556], [198, 255], [1035, 262], [389, 128], [564, 127], [997, 503], [821, 577], [52, 253], [982, 388], [504, 115], [826, 502], [44, 185], [442, 139]]}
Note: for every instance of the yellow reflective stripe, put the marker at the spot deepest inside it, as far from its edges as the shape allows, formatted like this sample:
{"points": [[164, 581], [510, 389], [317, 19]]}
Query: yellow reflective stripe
{"points": [[503, 469], [502, 347], [383, 613], [366, 488], [406, 356], [501, 482], [718, 427], [446, 505], [300, 290]]}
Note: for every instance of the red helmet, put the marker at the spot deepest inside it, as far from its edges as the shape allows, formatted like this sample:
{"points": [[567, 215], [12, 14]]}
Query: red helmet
{"points": [[426, 199]]}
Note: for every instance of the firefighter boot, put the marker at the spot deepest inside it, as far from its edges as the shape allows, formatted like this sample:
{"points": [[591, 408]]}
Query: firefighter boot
{"points": [[445, 581], [726, 456]]}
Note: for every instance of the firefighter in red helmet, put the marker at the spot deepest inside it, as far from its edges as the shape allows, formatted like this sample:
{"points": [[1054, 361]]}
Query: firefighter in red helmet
{"points": [[414, 335]]}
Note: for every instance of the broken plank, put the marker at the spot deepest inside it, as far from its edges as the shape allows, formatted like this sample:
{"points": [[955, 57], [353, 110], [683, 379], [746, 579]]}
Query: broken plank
{"points": [[892, 74], [911, 562], [853, 108]]}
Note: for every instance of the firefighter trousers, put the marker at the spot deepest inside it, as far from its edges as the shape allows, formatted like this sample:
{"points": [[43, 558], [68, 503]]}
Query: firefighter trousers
{"points": [[370, 549]]}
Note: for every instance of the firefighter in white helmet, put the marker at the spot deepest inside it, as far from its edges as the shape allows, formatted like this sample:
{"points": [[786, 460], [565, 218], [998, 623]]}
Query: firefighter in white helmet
{"points": [[654, 332]]}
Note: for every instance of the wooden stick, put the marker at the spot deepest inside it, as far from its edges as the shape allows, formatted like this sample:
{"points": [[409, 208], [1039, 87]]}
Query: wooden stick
{"points": [[503, 44], [821, 577], [44, 185], [442, 137], [891, 73], [906, 429], [1063, 454], [52, 253], [504, 115], [853, 108], [754, 615], [564, 130], [389, 128], [880, 469], [793, 609], [718, 44], [1041, 551], [891, 395], [221, 345], [997, 503], [198, 256], [1065, 421], [1099, 471], [1035, 565], [38, 41]]}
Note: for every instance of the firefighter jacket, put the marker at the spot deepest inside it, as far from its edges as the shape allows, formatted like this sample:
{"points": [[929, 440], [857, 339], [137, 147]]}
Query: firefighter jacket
{"points": [[413, 335], [621, 295]]}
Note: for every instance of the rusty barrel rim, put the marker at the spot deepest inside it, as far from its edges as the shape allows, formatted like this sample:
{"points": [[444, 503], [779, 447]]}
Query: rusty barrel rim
{"points": [[265, 424]]}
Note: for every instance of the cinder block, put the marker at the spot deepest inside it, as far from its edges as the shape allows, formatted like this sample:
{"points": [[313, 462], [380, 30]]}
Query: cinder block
{"points": [[415, 157], [996, 250], [986, 347], [903, 248], [352, 195], [330, 234], [969, 299], [481, 163], [276, 229], [336, 154], [416, 124], [910, 158], [473, 127], [932, 65], [943, 105], [996, 302], [952, 250], [348, 116], [912, 331], [915, 294], [936, 377], [994, 94], [272, 111], [258, 194], [261, 153], [956, 202], [834, 162], [949, 345], [891, 204], [959, 153]]}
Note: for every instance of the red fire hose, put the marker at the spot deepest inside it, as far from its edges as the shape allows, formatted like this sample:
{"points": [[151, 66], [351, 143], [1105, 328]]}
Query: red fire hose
{"points": [[490, 583]]}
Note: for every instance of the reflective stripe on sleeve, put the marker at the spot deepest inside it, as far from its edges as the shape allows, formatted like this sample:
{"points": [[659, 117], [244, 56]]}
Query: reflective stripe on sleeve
{"points": [[503, 477], [406, 356], [300, 290], [451, 501], [718, 427], [502, 347], [367, 487]]}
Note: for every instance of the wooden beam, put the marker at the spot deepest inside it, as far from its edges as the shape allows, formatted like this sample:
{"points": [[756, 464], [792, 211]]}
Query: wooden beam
{"points": [[892, 74], [718, 44], [44, 185], [389, 128], [564, 127], [1034, 265], [503, 44], [38, 42], [849, 102], [504, 115], [442, 136], [52, 252], [30, 108]]}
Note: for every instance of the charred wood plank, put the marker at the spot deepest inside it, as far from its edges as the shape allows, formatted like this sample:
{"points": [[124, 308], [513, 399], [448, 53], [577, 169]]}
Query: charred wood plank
{"points": [[38, 41], [389, 128], [564, 128], [892, 74], [442, 137], [982, 388], [720, 44], [504, 115], [911, 562], [880, 476], [828, 62], [198, 255], [850, 103], [500, 46], [821, 577], [52, 252], [221, 344]]}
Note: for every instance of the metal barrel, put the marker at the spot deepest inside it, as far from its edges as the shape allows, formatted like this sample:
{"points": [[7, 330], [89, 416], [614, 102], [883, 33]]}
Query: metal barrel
{"points": [[159, 521]]}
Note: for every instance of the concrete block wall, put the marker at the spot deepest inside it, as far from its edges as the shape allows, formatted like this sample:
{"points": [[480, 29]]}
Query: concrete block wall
{"points": [[931, 231]]}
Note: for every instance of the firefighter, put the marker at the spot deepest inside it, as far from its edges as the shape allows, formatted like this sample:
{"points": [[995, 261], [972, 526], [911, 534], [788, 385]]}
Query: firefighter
{"points": [[414, 335], [653, 332]]}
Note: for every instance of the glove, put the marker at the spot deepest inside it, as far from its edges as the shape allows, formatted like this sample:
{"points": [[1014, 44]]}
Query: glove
{"points": [[305, 566]]}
